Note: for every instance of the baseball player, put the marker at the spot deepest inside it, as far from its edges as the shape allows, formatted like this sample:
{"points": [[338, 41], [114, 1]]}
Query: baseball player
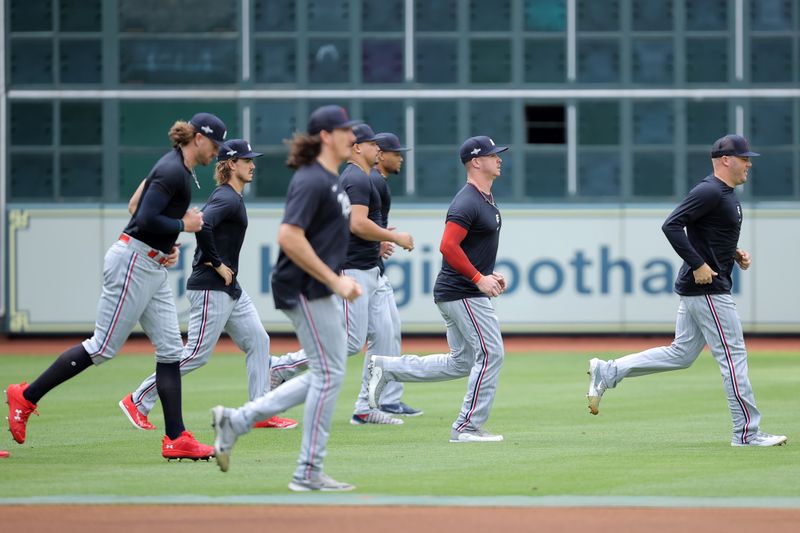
{"points": [[364, 264], [463, 292], [704, 231], [307, 287], [135, 288], [218, 301]]}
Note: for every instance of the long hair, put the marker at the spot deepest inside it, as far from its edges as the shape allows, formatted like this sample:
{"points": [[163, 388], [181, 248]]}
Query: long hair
{"points": [[222, 172], [303, 150], [181, 133]]}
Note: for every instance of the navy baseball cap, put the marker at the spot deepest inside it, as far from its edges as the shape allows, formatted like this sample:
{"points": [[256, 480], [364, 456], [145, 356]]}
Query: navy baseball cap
{"points": [[211, 126], [478, 147], [329, 118], [236, 149], [732, 144], [363, 133], [388, 142]]}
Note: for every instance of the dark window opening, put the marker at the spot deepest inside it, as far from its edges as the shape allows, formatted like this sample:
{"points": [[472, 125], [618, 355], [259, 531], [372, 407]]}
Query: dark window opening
{"points": [[545, 124]]}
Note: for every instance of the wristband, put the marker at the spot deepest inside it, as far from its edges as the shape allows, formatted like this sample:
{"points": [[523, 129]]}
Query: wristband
{"points": [[180, 225], [476, 277]]}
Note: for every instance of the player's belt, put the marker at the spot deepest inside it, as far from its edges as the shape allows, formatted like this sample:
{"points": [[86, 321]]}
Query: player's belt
{"points": [[156, 255]]}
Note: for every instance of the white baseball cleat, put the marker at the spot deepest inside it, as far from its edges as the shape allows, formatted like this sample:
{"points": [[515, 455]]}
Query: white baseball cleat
{"points": [[474, 436], [224, 436], [596, 385], [763, 439], [376, 383]]}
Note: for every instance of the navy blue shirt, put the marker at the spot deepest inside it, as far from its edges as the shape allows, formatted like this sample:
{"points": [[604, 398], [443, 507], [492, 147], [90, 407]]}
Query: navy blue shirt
{"points": [[220, 241], [315, 202], [382, 186], [171, 182], [712, 216], [480, 216], [360, 188]]}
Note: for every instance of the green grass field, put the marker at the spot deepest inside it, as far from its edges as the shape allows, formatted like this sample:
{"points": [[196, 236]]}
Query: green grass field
{"points": [[659, 435]]}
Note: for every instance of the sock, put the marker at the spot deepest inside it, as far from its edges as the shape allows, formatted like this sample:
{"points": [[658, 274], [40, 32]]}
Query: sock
{"points": [[68, 365], [168, 383]]}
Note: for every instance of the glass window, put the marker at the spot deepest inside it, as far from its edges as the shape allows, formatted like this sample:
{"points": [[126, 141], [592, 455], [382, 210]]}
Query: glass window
{"points": [[698, 165], [328, 15], [31, 15], [31, 176], [436, 61], [383, 15], [328, 60], [31, 123], [486, 16], [653, 61], [545, 61], [598, 173], [31, 61], [441, 15], [275, 61], [598, 123], [598, 16], [771, 123], [598, 60], [545, 175], [490, 61], [706, 122], [146, 123], [385, 116], [772, 175], [708, 15], [133, 168], [81, 175], [275, 15], [545, 124], [275, 121], [158, 16], [80, 15], [81, 123], [652, 15], [437, 123], [545, 15], [382, 61], [771, 59], [272, 175], [440, 173], [653, 174], [81, 61], [168, 61], [491, 118], [653, 122], [768, 15], [706, 60]]}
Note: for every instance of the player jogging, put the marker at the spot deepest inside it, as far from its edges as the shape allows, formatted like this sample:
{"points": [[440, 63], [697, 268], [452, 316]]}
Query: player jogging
{"points": [[218, 301], [463, 292], [704, 231], [306, 286], [135, 288]]}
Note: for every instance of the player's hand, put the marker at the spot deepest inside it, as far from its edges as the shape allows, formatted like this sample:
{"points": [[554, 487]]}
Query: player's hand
{"points": [[225, 273], [173, 256], [704, 275], [193, 220], [489, 286], [387, 249], [404, 240], [500, 279], [347, 288], [743, 259]]}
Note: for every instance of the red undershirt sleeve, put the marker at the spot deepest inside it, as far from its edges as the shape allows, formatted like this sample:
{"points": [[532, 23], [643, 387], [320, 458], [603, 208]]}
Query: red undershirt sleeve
{"points": [[454, 254]]}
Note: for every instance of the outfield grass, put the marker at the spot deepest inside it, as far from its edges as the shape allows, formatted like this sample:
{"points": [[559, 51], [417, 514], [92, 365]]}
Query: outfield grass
{"points": [[660, 435]]}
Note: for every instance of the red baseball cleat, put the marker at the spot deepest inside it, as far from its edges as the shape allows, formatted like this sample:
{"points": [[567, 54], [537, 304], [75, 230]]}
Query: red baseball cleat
{"points": [[276, 422], [136, 418], [19, 409], [185, 447]]}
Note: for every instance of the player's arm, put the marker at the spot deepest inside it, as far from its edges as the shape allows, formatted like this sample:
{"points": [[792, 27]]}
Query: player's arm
{"points": [[133, 203], [292, 240], [150, 217], [456, 258], [363, 227], [742, 258], [698, 203], [214, 212]]}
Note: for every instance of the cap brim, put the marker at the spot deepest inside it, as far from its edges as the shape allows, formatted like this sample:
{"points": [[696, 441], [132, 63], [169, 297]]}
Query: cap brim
{"points": [[749, 154], [401, 149], [350, 124], [251, 155], [498, 149]]}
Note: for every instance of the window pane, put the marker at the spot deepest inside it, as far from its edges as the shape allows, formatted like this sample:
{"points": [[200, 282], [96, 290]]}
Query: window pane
{"points": [[771, 123], [275, 61], [772, 175], [81, 175], [706, 122], [272, 176], [707, 14], [485, 16], [439, 173], [274, 15], [598, 61], [274, 121], [382, 15], [545, 175], [491, 118], [441, 15], [771, 59], [653, 122], [81, 61], [80, 15], [598, 173], [328, 60], [195, 61], [706, 60], [598, 123], [159, 16], [31, 15], [771, 14], [653, 61], [652, 15], [490, 61], [436, 61], [545, 61], [328, 15], [147, 123], [382, 61], [699, 166], [31, 176], [385, 116], [81, 123], [31, 61], [31, 123], [653, 174], [437, 123], [545, 15], [598, 16], [133, 168], [545, 124]]}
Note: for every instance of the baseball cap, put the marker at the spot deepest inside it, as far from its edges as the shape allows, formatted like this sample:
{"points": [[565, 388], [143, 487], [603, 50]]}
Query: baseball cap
{"points": [[236, 149], [211, 126], [732, 144], [329, 118], [388, 142], [478, 147], [363, 133]]}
